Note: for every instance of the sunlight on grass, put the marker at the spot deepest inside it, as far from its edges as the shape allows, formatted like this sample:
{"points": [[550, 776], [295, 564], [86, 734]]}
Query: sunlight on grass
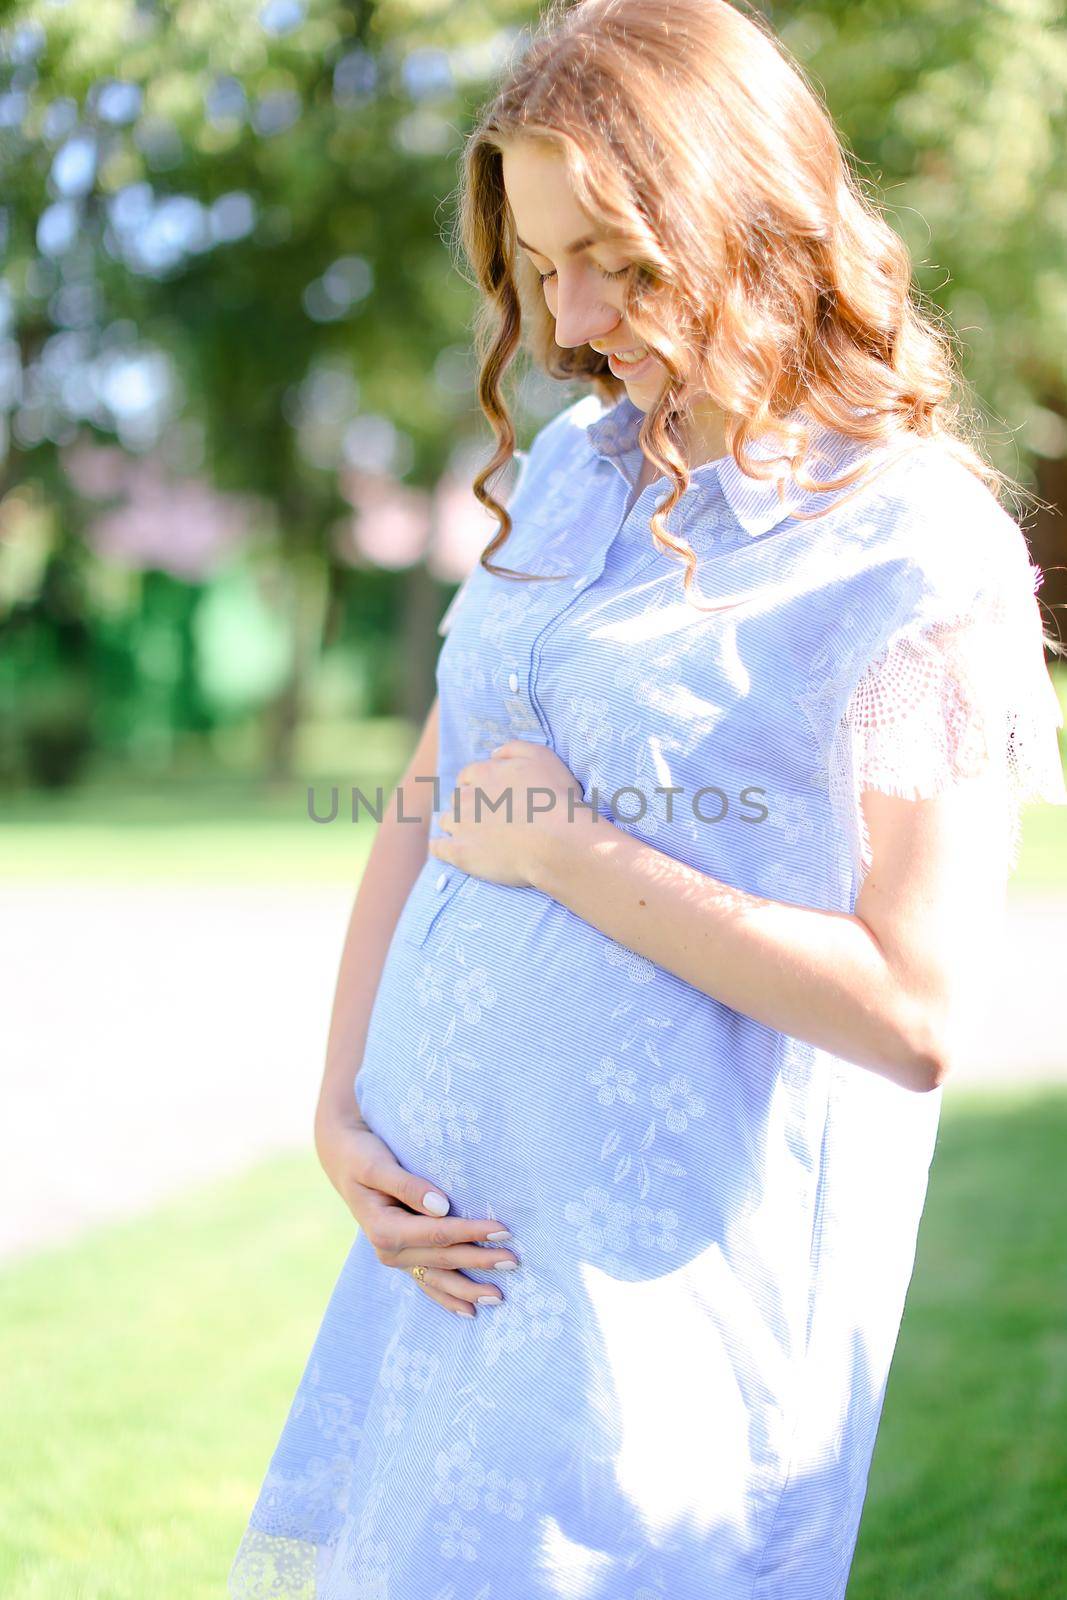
{"points": [[144, 1373], [207, 825], [966, 1489], [147, 1373]]}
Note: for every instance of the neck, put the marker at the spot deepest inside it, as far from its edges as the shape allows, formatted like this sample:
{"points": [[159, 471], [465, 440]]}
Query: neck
{"points": [[706, 435]]}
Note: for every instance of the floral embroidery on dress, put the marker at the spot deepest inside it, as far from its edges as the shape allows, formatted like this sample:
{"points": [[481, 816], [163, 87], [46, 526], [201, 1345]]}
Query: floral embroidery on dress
{"points": [[371, 1575], [473, 993], [484, 734], [622, 1124], [450, 1592], [656, 1227], [614, 1082], [439, 1058], [818, 697], [555, 490], [636, 967], [531, 1311], [784, 882], [428, 985], [790, 817], [677, 1101], [460, 1479], [521, 720], [431, 1120], [407, 1367], [637, 1163], [590, 727], [459, 1538], [602, 1222], [470, 668], [508, 611], [270, 1560], [332, 1412]]}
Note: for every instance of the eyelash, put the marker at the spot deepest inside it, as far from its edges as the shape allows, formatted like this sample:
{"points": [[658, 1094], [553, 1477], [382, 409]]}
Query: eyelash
{"points": [[544, 276]]}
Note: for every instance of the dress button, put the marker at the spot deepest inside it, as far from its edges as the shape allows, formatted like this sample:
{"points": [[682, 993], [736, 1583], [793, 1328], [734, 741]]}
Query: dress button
{"points": [[581, 583], [513, 681], [442, 879]]}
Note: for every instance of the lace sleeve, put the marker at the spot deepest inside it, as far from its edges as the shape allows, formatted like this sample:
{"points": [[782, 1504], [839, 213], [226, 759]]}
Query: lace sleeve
{"points": [[960, 698]]}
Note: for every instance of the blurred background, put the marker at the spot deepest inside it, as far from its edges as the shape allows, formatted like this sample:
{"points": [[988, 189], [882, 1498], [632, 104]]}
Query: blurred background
{"points": [[237, 433]]}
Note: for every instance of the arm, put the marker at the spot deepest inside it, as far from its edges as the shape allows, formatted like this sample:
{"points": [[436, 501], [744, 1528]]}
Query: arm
{"points": [[951, 728], [396, 858], [885, 987]]}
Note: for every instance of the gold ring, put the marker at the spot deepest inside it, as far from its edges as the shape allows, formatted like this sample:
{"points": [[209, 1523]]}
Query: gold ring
{"points": [[419, 1273]]}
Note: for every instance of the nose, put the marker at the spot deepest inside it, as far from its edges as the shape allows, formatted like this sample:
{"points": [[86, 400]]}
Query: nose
{"points": [[581, 317]]}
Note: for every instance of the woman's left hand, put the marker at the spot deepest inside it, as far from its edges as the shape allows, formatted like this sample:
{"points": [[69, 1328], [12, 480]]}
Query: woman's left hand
{"points": [[503, 845]]}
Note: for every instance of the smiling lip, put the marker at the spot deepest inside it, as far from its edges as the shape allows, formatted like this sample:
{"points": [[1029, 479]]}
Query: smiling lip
{"points": [[631, 368]]}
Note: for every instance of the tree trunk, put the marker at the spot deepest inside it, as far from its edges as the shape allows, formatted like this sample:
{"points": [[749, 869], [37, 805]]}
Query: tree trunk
{"points": [[420, 641], [305, 579]]}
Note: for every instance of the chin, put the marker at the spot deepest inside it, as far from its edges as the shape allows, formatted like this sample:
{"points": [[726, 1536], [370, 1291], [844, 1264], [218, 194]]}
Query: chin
{"points": [[644, 394]]}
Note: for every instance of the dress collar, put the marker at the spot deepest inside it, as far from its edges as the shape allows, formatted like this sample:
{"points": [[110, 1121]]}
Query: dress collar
{"points": [[756, 505]]}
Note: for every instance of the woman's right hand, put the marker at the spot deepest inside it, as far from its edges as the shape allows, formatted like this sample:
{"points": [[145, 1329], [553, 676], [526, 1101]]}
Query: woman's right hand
{"points": [[389, 1204]]}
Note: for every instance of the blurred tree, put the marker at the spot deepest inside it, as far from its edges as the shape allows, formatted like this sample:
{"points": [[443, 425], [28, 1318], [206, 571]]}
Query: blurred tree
{"points": [[957, 114], [223, 245], [223, 237]]}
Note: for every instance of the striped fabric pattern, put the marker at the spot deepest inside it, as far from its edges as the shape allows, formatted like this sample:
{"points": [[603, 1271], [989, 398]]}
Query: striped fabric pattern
{"points": [[716, 1222]]}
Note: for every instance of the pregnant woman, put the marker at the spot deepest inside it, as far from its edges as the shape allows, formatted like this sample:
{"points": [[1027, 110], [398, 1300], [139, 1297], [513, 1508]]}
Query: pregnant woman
{"points": [[642, 1023]]}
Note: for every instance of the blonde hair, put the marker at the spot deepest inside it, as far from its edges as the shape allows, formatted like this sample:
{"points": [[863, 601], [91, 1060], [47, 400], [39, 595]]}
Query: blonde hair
{"points": [[761, 273]]}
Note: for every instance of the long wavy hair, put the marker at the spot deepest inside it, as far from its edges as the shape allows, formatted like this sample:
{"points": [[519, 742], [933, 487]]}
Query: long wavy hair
{"points": [[761, 273]]}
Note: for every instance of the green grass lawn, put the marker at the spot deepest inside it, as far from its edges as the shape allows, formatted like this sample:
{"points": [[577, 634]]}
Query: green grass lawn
{"points": [[147, 1372], [197, 823]]}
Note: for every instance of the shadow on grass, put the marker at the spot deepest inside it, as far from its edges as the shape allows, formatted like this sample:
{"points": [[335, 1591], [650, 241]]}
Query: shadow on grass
{"points": [[146, 1373]]}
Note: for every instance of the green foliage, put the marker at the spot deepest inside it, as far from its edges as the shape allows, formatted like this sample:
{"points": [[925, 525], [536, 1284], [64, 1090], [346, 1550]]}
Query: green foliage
{"points": [[957, 115], [225, 253], [224, 229]]}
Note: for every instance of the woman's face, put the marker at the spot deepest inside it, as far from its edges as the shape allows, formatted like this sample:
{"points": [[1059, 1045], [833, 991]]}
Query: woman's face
{"points": [[583, 286]]}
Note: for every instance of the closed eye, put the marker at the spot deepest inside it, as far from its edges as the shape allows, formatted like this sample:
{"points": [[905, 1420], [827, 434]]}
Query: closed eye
{"points": [[545, 276]]}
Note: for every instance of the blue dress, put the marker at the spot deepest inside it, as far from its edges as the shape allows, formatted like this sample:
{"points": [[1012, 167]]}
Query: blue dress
{"points": [[716, 1222]]}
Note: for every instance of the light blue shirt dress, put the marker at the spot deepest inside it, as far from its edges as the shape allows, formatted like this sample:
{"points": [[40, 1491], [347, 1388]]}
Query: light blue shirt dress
{"points": [[716, 1222]]}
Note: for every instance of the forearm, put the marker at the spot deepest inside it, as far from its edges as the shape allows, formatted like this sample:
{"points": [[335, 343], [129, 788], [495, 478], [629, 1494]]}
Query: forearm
{"points": [[817, 975], [396, 858]]}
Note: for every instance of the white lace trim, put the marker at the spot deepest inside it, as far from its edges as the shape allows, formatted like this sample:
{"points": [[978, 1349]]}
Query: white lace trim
{"points": [[961, 698], [273, 1563], [269, 1566]]}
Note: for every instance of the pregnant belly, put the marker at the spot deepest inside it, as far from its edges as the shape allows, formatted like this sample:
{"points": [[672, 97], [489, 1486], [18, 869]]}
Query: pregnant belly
{"points": [[538, 1072], [623, 1125], [473, 1044], [599, 1108]]}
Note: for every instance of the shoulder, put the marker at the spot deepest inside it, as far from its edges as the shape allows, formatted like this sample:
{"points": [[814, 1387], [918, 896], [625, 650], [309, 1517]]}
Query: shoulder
{"points": [[568, 429], [561, 447], [960, 541]]}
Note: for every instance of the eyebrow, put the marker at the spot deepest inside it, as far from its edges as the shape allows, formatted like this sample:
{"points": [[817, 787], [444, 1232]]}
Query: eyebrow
{"points": [[574, 249]]}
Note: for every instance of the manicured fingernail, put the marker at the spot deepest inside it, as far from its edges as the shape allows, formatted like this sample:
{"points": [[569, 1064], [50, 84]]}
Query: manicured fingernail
{"points": [[470, 1313], [505, 1266], [496, 1237], [489, 1299], [435, 1203]]}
